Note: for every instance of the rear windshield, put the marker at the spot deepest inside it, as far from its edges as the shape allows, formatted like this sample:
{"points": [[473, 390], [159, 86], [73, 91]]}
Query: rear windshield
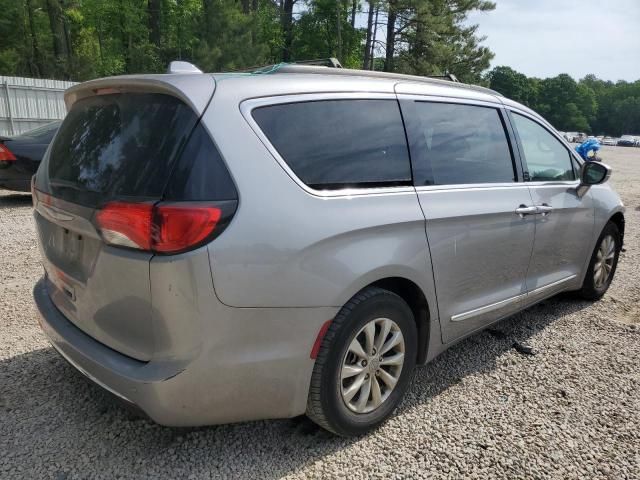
{"points": [[118, 145]]}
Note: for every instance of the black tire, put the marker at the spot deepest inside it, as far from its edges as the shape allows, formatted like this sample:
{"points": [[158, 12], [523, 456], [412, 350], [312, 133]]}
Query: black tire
{"points": [[589, 290], [325, 405]]}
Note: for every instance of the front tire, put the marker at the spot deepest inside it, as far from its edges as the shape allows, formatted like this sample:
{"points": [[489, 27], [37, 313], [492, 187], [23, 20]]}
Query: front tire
{"points": [[365, 363], [603, 264]]}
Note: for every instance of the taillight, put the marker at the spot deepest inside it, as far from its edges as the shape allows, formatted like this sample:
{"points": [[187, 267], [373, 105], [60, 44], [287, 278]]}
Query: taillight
{"points": [[126, 224], [5, 154], [178, 227], [161, 228]]}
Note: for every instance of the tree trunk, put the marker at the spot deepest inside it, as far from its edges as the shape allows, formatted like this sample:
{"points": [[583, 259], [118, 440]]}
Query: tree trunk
{"points": [[339, 29], [36, 59], [391, 37], [154, 12], [366, 64], [207, 10], [286, 21], [354, 9], [179, 28], [373, 40], [59, 37], [126, 37]]}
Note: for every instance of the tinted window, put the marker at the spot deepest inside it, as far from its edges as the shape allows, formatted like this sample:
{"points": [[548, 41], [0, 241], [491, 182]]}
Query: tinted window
{"points": [[339, 143], [200, 174], [462, 144], [546, 158], [118, 145]]}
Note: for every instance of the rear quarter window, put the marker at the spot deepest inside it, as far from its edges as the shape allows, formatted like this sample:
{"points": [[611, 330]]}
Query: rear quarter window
{"points": [[334, 144]]}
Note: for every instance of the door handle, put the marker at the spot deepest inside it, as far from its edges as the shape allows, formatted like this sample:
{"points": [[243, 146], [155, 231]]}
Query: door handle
{"points": [[523, 210], [544, 209]]}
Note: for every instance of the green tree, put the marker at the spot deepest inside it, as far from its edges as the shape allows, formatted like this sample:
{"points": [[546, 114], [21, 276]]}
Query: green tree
{"points": [[433, 39], [324, 30], [513, 85]]}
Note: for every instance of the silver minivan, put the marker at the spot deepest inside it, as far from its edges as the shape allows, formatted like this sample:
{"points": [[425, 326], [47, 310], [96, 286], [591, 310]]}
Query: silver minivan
{"points": [[229, 247]]}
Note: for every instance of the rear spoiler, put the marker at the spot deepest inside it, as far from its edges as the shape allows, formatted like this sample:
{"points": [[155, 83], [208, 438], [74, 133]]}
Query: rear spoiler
{"points": [[195, 90]]}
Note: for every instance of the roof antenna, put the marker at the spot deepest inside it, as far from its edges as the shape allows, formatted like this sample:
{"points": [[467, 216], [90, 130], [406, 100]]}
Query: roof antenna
{"points": [[178, 66]]}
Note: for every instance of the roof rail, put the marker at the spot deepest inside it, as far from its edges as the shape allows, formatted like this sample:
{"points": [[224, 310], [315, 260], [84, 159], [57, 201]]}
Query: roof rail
{"points": [[321, 62], [449, 76], [323, 70]]}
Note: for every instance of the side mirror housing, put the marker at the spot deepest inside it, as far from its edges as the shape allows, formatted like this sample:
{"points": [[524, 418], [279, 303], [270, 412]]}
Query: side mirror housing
{"points": [[592, 173]]}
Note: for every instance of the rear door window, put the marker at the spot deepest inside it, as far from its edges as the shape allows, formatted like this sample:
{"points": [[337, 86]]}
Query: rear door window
{"points": [[462, 144], [118, 145], [334, 144]]}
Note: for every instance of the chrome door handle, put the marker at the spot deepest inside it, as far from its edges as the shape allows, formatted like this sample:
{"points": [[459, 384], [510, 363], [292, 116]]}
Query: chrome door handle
{"points": [[523, 210], [544, 209]]}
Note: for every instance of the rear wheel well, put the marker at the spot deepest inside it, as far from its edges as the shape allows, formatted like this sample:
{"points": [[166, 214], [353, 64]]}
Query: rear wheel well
{"points": [[618, 219], [413, 295]]}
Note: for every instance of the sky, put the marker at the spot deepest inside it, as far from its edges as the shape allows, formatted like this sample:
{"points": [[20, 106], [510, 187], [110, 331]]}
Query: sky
{"points": [[544, 38]]}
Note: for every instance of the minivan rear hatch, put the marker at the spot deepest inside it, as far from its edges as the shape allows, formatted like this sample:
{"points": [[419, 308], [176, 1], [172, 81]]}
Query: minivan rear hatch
{"points": [[117, 146]]}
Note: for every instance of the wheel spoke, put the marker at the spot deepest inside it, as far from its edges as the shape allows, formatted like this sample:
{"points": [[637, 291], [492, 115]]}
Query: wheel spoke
{"points": [[397, 359], [369, 335], [387, 378], [349, 371], [385, 328], [597, 275], [376, 394], [395, 339], [357, 349], [610, 245], [364, 395], [350, 392]]}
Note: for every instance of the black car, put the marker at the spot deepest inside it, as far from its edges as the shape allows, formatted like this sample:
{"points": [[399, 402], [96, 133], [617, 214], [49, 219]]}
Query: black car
{"points": [[20, 156]]}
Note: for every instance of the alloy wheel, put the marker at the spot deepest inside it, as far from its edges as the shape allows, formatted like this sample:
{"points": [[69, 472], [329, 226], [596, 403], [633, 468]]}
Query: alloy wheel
{"points": [[604, 261], [372, 365]]}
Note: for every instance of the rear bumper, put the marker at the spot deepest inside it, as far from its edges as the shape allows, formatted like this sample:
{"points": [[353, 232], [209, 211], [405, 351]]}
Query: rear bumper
{"points": [[238, 375]]}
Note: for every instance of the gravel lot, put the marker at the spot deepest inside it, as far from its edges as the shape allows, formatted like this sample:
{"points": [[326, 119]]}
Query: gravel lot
{"points": [[481, 410]]}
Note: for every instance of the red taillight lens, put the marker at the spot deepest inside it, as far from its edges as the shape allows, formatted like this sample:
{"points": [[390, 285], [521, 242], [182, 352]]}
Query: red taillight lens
{"points": [[126, 224], [5, 154], [179, 227], [169, 228]]}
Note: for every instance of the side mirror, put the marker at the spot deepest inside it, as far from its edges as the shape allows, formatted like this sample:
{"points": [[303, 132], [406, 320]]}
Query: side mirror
{"points": [[594, 173]]}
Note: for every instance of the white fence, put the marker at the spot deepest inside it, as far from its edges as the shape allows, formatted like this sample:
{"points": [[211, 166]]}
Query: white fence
{"points": [[26, 103]]}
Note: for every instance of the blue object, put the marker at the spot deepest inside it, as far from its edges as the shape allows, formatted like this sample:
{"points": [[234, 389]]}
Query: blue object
{"points": [[584, 148]]}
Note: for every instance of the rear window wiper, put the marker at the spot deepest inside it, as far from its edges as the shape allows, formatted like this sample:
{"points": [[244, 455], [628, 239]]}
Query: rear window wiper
{"points": [[70, 185]]}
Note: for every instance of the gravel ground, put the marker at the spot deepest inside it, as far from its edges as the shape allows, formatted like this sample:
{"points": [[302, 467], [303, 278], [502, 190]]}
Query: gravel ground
{"points": [[481, 410]]}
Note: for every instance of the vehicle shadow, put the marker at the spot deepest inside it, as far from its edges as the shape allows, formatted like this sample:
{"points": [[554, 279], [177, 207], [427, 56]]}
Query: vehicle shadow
{"points": [[13, 200], [50, 413]]}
